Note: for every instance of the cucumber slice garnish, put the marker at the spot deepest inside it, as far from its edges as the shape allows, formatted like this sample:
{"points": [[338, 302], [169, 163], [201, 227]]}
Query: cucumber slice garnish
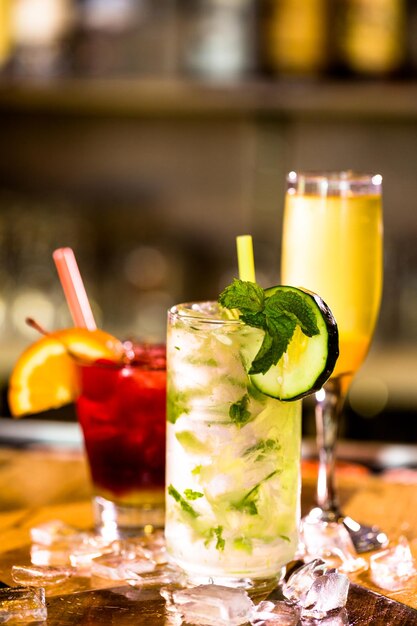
{"points": [[308, 361]]}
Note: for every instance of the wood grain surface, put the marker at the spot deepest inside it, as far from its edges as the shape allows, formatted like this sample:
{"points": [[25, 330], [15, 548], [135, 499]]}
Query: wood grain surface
{"points": [[43, 484]]}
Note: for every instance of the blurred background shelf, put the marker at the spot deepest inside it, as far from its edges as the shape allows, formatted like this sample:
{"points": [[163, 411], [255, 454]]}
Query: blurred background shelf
{"points": [[149, 135], [184, 98]]}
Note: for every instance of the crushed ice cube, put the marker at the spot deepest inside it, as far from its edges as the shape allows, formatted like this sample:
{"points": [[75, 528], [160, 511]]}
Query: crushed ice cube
{"points": [[210, 605], [55, 531], [77, 554], [40, 575], [107, 566], [58, 544], [300, 581], [394, 568], [22, 604], [150, 547], [82, 555], [275, 614], [43, 556], [117, 567], [330, 540], [160, 575], [327, 593], [340, 618], [173, 619]]}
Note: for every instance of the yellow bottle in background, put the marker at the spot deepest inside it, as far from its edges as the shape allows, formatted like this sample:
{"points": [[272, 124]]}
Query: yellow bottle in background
{"points": [[295, 36], [5, 31], [333, 246], [372, 36]]}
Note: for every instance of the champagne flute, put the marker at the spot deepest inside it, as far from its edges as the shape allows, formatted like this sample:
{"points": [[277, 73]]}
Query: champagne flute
{"points": [[332, 244]]}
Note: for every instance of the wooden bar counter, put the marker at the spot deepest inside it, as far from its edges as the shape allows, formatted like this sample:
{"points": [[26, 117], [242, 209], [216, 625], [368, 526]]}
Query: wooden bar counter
{"points": [[44, 483]]}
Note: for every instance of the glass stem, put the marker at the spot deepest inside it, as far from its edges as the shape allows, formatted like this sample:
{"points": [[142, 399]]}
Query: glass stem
{"points": [[329, 401]]}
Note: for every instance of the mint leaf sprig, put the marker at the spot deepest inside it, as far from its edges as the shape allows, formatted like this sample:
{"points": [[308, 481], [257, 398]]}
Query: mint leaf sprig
{"points": [[216, 533], [277, 315], [239, 413], [186, 507], [248, 503]]}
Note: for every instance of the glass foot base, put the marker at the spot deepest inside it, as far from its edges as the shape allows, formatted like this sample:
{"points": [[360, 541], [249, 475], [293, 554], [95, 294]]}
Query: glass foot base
{"points": [[329, 541], [114, 520]]}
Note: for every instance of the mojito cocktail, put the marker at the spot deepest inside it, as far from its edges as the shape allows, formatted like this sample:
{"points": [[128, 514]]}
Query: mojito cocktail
{"points": [[233, 444], [233, 453]]}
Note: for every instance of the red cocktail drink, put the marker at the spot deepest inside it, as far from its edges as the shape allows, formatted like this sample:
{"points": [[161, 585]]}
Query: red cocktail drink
{"points": [[122, 412]]}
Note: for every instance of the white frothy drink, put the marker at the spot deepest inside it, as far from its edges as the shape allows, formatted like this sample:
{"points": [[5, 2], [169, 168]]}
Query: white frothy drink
{"points": [[233, 454]]}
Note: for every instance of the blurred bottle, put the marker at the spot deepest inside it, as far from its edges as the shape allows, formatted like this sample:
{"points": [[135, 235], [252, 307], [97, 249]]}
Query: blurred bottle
{"points": [[126, 37], [101, 42], [39, 30], [218, 38], [293, 38], [5, 31], [370, 36], [412, 36]]}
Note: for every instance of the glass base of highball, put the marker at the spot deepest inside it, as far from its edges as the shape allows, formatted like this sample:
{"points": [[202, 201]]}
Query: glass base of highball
{"points": [[114, 520], [254, 586]]}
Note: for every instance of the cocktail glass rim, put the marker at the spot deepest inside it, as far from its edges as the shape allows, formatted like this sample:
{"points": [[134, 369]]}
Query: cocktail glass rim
{"points": [[183, 311], [333, 182]]}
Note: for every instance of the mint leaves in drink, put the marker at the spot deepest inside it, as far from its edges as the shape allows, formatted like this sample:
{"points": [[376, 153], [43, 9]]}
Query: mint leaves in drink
{"points": [[278, 315], [279, 312], [239, 413], [187, 508], [248, 503], [217, 534]]}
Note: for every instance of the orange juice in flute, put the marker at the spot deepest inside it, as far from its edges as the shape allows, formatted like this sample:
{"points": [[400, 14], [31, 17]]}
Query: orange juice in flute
{"points": [[332, 244]]}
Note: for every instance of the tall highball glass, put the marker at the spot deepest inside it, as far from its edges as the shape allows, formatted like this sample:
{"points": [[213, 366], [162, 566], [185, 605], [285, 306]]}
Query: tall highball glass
{"points": [[233, 456], [333, 245]]}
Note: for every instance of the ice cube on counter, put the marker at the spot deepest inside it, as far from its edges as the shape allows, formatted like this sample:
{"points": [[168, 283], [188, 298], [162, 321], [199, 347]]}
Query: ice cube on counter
{"points": [[22, 604], [327, 593], [276, 614], [150, 547], [55, 531], [301, 580], [338, 618], [78, 555], [49, 556], [40, 575], [210, 605], [332, 542], [393, 569], [160, 575]]}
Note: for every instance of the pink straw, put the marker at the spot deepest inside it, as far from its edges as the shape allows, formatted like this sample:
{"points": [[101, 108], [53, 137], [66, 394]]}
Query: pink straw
{"points": [[74, 289]]}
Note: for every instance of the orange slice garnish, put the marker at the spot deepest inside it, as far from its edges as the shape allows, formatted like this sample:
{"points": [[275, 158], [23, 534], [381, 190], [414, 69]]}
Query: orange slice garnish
{"points": [[45, 375]]}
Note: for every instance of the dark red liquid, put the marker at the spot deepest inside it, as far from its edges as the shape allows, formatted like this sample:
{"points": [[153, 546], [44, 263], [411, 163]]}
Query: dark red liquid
{"points": [[122, 412]]}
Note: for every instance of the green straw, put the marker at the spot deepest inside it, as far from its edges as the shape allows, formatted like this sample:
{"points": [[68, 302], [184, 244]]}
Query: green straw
{"points": [[245, 258]]}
